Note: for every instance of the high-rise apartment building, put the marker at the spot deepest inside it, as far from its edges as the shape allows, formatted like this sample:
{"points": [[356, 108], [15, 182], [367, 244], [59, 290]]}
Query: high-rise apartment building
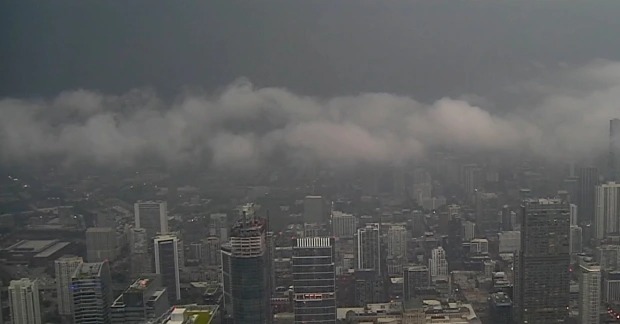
{"points": [[574, 215], [608, 256], [576, 239], [142, 302], [469, 231], [244, 271], [614, 149], [369, 248], [139, 246], [588, 179], [101, 244], [343, 225], [152, 216], [65, 267], [167, 264], [611, 287], [541, 293], [589, 291], [91, 287], [415, 278], [438, 264], [314, 280], [24, 301], [607, 210], [397, 237]]}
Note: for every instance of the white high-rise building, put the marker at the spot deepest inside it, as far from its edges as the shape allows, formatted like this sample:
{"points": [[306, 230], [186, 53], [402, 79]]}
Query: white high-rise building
{"points": [[369, 247], [575, 239], [24, 301], [573, 214], [152, 216], [166, 250], [589, 292], [343, 225], [607, 210], [437, 264], [65, 267]]}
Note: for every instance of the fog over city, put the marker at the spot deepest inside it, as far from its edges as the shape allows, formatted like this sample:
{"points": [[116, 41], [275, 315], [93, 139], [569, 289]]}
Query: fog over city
{"points": [[243, 125]]}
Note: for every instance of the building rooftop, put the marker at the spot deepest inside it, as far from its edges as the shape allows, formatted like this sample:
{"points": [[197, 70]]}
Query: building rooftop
{"points": [[52, 249], [85, 270], [33, 246]]}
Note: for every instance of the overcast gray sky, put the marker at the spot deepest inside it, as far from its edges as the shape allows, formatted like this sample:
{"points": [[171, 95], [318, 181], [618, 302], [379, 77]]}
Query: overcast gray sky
{"points": [[426, 48], [239, 83]]}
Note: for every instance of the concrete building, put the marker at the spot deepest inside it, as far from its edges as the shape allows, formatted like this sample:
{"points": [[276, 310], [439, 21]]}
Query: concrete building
{"points": [[438, 264], [24, 302], [343, 225], [541, 292], [509, 242], [500, 308], [479, 246], [314, 280], [244, 270], [576, 239], [64, 268], [589, 291], [611, 287], [369, 248], [143, 301], [608, 257], [469, 231], [588, 178], [167, 264], [101, 244], [415, 278], [211, 251], [574, 215], [92, 293], [607, 210], [141, 259], [314, 209], [152, 216]]}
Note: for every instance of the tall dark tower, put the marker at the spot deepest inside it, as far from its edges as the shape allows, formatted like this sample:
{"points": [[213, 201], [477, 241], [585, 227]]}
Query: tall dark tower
{"points": [[588, 179], [614, 150], [244, 271], [542, 280]]}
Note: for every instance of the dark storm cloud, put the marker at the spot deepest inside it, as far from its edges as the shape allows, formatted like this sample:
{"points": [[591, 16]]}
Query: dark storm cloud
{"points": [[244, 126]]}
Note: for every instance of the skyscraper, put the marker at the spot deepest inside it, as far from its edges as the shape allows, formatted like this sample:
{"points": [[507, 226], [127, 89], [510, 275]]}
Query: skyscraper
{"points": [[92, 293], [588, 179], [415, 278], [576, 239], [152, 216], [24, 301], [244, 263], [614, 149], [140, 261], [589, 291], [218, 226], [143, 301], [369, 248], [607, 210], [314, 280], [101, 244], [397, 249], [438, 264], [541, 293], [65, 267], [167, 260], [343, 225]]}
